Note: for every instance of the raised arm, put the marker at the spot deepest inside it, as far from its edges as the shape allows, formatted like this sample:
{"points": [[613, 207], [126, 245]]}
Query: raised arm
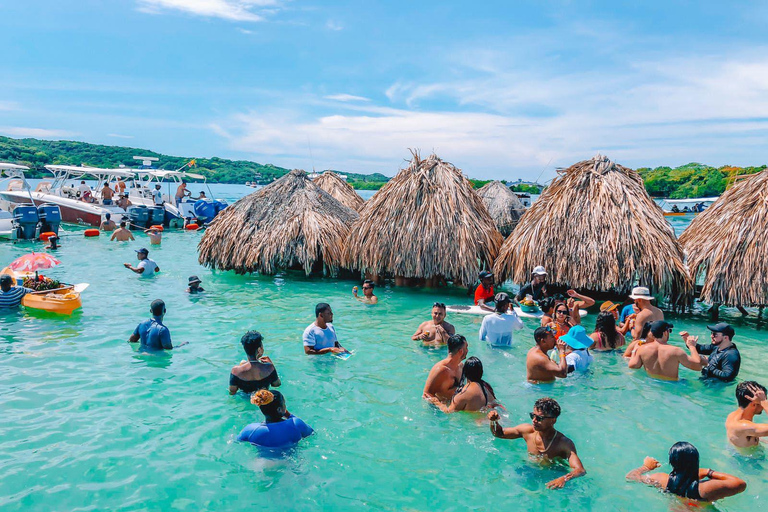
{"points": [[639, 474], [693, 361]]}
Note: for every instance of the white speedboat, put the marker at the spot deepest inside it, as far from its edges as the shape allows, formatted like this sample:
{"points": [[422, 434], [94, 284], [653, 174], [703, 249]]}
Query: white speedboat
{"points": [[63, 192]]}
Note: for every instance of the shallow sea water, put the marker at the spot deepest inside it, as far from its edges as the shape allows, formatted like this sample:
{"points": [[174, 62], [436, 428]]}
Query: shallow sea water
{"points": [[89, 424]]}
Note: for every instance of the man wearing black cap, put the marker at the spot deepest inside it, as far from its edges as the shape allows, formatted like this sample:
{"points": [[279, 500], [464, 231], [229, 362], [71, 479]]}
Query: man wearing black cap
{"points": [[194, 285], [724, 358], [146, 266], [484, 292], [661, 360]]}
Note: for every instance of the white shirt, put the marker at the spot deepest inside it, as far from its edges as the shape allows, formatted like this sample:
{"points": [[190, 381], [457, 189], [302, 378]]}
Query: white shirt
{"points": [[83, 188], [158, 195], [149, 267], [318, 338], [497, 328], [579, 359]]}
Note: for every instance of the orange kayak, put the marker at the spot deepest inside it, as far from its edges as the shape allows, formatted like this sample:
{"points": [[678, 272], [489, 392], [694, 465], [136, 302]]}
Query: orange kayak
{"points": [[61, 300]]}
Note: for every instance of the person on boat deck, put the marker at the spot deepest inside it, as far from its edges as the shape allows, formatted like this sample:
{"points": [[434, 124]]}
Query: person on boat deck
{"points": [[280, 429], [123, 201], [661, 360], [686, 479], [106, 195], [152, 334], [606, 336], [157, 196], [537, 288], [473, 393], [435, 331], [155, 236], [83, 188], [675, 209], [484, 291], [201, 196], [742, 431], [257, 372], [445, 375], [10, 295], [182, 191], [53, 243], [542, 439], [646, 312], [122, 234], [146, 266], [539, 367], [194, 285], [320, 336], [119, 186], [577, 356], [497, 328], [368, 296], [724, 358], [108, 224]]}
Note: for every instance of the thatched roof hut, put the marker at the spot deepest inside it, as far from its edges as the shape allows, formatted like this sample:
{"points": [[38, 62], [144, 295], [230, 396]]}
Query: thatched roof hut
{"points": [[727, 243], [503, 205], [425, 223], [340, 189], [596, 228], [289, 223]]}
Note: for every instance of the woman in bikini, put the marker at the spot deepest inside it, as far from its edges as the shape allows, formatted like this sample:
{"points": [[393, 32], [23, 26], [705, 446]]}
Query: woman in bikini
{"points": [[606, 336], [257, 372], [473, 393]]}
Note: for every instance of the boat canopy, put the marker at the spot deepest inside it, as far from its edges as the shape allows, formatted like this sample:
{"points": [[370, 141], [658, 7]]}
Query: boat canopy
{"points": [[12, 170], [692, 201], [175, 175], [74, 171]]}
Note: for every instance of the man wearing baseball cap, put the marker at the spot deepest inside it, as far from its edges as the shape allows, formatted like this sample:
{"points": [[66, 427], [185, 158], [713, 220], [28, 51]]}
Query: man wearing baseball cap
{"points": [[484, 291], [647, 312], [537, 288], [724, 358], [146, 266]]}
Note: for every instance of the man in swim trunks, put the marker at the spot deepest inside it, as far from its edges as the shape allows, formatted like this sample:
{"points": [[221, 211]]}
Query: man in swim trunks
{"points": [[537, 288], [320, 336], [106, 195], [445, 375], [435, 331], [539, 367], [742, 431], [368, 296], [724, 358], [647, 312], [542, 440], [661, 360], [123, 201], [484, 291], [122, 234], [152, 334]]}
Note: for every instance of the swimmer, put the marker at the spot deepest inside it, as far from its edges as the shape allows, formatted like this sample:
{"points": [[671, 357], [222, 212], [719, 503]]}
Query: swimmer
{"points": [[662, 361], [445, 375], [152, 333], [539, 367], [686, 479], [368, 296], [742, 431], [194, 285], [53, 243], [155, 236], [257, 372], [280, 429], [122, 234], [542, 440], [473, 393], [497, 328], [435, 331], [320, 336]]}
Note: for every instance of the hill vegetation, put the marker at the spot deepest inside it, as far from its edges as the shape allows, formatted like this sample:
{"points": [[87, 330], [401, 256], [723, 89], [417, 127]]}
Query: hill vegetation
{"points": [[691, 180]]}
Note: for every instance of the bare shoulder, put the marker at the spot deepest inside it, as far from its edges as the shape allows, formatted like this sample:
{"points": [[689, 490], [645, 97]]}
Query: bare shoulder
{"points": [[241, 368], [566, 444], [449, 328]]}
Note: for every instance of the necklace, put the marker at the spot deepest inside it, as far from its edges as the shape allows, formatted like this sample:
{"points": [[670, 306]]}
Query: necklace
{"points": [[550, 442]]}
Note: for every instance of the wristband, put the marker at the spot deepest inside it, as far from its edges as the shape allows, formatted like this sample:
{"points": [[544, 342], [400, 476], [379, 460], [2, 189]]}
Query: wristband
{"points": [[710, 473]]}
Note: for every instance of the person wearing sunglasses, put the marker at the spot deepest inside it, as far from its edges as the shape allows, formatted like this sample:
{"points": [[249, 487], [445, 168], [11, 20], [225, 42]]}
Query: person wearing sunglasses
{"points": [[661, 360], [435, 331], [368, 296], [539, 367], [544, 442]]}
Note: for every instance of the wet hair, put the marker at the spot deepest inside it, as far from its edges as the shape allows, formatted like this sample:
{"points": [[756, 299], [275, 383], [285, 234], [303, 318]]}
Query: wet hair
{"points": [[684, 477], [122, 223], [472, 372], [540, 333], [107, 215], [157, 307], [548, 406], [321, 308], [606, 324], [369, 283], [456, 343], [252, 342], [269, 403], [438, 305], [546, 304], [742, 390]]}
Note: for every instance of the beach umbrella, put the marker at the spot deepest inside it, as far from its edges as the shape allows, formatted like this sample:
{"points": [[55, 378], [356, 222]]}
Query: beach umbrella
{"points": [[33, 262]]}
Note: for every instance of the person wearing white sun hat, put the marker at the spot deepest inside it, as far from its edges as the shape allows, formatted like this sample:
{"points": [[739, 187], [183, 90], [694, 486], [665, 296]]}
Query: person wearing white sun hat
{"points": [[647, 312]]}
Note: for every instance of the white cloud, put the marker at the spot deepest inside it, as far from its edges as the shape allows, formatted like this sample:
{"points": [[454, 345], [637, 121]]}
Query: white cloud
{"points": [[118, 136], [234, 10], [9, 105], [19, 131], [334, 25], [346, 97]]}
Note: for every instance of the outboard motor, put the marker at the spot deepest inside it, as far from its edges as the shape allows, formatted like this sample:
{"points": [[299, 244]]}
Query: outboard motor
{"points": [[50, 218], [25, 221], [156, 216], [220, 205], [172, 220], [138, 216]]}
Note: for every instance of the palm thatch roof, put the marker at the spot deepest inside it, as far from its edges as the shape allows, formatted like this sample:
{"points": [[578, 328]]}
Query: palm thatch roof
{"points": [[340, 189], [596, 228], [503, 205], [426, 222], [727, 242], [291, 222]]}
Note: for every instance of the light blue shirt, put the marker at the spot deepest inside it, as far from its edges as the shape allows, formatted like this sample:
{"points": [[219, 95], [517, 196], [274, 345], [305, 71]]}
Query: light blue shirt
{"points": [[318, 338], [153, 335], [497, 328]]}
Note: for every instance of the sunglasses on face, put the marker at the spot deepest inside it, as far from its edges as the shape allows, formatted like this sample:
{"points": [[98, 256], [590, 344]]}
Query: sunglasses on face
{"points": [[538, 417], [366, 287], [562, 312]]}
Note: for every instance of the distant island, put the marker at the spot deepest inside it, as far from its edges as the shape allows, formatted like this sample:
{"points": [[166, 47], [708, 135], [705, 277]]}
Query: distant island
{"points": [[690, 180]]}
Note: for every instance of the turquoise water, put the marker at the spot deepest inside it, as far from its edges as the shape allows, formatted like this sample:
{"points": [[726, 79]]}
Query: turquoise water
{"points": [[89, 424]]}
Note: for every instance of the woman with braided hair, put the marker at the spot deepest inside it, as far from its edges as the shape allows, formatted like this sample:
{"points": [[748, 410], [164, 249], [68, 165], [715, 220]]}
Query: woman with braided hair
{"points": [[280, 429]]}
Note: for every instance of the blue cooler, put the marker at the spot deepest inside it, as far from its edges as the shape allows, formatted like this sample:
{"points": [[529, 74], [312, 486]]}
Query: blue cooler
{"points": [[25, 219]]}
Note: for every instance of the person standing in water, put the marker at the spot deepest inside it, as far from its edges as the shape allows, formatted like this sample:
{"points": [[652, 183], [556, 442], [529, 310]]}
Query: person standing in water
{"points": [[473, 393], [368, 296], [445, 375], [686, 479], [257, 372], [122, 234], [108, 224], [152, 333], [435, 331], [497, 328], [724, 359], [539, 367], [661, 360], [320, 336], [10, 295], [155, 236], [646, 312], [146, 266], [742, 431], [280, 429], [194, 285], [542, 440]]}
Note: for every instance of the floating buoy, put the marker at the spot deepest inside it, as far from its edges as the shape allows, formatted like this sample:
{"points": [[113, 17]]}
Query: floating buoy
{"points": [[192, 226], [157, 227], [92, 232], [45, 236]]}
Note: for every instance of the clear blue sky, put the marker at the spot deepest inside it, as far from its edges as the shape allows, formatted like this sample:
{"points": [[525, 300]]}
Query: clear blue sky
{"points": [[501, 89]]}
